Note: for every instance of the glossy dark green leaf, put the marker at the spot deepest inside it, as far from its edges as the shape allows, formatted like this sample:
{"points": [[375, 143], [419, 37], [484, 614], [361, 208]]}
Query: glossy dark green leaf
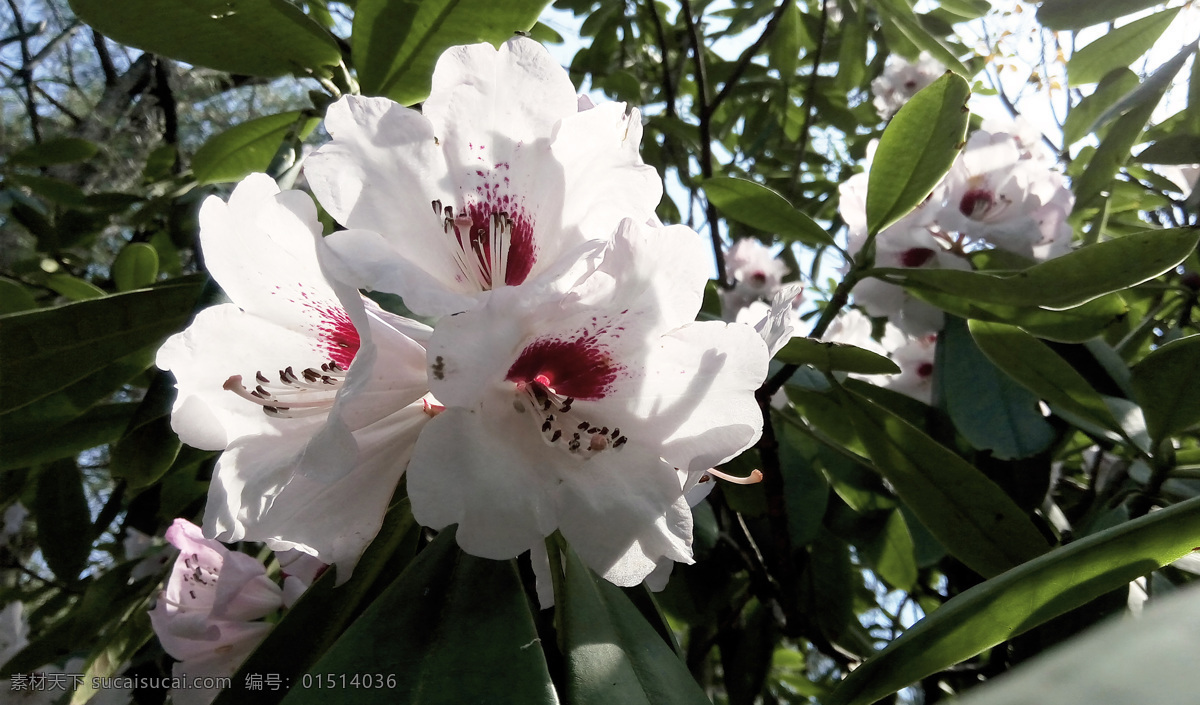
{"points": [[73, 287], [1084, 117], [98, 426], [1176, 149], [969, 514], [891, 554], [906, 21], [61, 150], [64, 520], [323, 612], [988, 408], [1149, 91], [787, 40], [53, 190], [1040, 370], [135, 267], [916, 150], [1011, 604], [746, 650], [806, 492], [761, 208], [14, 297], [1067, 281], [397, 42], [1118, 48], [834, 356], [253, 37], [51, 412], [452, 629], [611, 653], [1112, 153], [248, 147], [1072, 325], [1167, 386], [49, 349], [148, 446]]}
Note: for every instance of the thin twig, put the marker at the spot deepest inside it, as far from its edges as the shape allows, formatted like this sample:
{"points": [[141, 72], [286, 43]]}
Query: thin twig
{"points": [[706, 159], [748, 55], [26, 73], [810, 91]]}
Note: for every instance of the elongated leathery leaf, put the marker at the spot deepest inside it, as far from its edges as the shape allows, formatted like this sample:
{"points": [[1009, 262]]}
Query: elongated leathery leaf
{"points": [[1024, 597], [968, 513], [612, 653], [759, 207], [1168, 387], [451, 629], [254, 37], [396, 43], [49, 349], [1040, 370], [916, 150], [1067, 281], [323, 612]]}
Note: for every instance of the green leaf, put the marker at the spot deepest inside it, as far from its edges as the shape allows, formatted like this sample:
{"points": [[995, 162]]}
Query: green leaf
{"points": [[988, 408], [252, 37], [47, 350], [148, 446], [835, 356], [611, 653], [1084, 117], [1167, 387], [891, 553], [1176, 149], [1011, 604], [98, 426], [452, 629], [51, 412], [1112, 153], [53, 190], [916, 150], [1040, 370], [1077, 14], [248, 147], [323, 612], [906, 21], [14, 297], [1072, 325], [787, 40], [73, 287], [806, 492], [1067, 281], [396, 43], [1118, 48], [61, 150], [1149, 91], [969, 514], [136, 267], [64, 521], [761, 208]]}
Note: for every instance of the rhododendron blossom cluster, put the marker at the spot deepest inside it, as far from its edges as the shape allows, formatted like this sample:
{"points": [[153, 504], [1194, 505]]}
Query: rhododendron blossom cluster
{"points": [[1001, 193], [564, 384]]}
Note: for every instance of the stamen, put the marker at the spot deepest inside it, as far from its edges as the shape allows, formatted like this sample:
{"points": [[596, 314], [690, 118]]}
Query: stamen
{"points": [[754, 477]]}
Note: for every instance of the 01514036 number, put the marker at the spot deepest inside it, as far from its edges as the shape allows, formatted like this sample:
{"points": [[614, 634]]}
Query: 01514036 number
{"points": [[348, 680]]}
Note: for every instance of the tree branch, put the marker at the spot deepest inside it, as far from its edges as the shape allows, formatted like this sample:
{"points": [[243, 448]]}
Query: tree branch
{"points": [[706, 159], [748, 55]]}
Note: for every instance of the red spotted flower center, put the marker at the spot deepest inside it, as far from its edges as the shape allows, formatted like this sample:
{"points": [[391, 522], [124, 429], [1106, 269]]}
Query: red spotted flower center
{"points": [[550, 375]]}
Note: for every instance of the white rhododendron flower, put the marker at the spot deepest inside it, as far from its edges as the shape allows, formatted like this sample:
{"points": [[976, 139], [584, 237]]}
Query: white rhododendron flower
{"points": [[205, 618], [900, 81], [500, 177], [756, 274], [313, 392], [591, 405]]}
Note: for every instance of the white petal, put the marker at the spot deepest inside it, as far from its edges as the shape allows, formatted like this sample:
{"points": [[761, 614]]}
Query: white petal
{"points": [[623, 512], [484, 474], [223, 341]]}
